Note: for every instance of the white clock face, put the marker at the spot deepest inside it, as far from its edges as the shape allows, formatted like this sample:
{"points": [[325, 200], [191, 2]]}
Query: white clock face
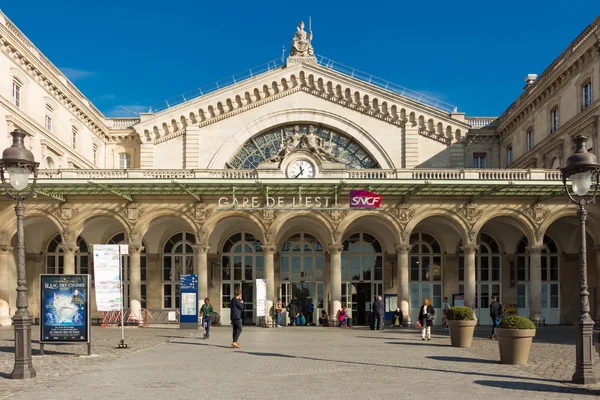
{"points": [[301, 169]]}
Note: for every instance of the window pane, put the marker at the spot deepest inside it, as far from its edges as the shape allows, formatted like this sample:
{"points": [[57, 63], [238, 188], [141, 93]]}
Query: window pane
{"points": [[237, 268], [495, 268], [285, 269], [259, 267], [484, 271], [296, 269], [248, 264], [166, 268], [225, 268], [366, 264], [414, 268], [355, 268], [437, 268], [319, 268], [345, 269], [544, 295], [461, 269], [425, 274], [415, 302], [378, 268], [308, 274]]}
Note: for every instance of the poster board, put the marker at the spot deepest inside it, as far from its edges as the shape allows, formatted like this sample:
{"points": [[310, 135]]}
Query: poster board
{"points": [[107, 272], [261, 298], [458, 300], [65, 308], [188, 301]]}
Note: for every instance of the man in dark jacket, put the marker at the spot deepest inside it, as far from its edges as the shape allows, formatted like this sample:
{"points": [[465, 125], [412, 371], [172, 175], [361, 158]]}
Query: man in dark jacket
{"points": [[378, 313], [292, 310], [496, 313], [236, 308]]}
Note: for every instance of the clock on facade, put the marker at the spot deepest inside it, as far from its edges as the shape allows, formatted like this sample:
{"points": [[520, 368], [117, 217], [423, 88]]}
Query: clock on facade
{"points": [[301, 169]]}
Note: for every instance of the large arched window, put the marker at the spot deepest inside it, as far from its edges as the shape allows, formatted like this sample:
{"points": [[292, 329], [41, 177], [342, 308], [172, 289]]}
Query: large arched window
{"points": [[268, 144], [362, 274], [302, 271], [178, 259], [55, 257], [121, 238], [550, 280], [425, 272], [241, 263], [488, 274]]}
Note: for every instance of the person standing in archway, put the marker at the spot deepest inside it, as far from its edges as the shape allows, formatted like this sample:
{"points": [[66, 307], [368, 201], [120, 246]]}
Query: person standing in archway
{"points": [[378, 313], [236, 305]]}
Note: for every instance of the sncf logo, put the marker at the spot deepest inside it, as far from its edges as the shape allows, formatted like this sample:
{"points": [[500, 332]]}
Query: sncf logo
{"points": [[364, 199]]}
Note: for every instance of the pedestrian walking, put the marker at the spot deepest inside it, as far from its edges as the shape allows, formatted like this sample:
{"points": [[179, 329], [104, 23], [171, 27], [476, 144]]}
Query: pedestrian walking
{"points": [[496, 314], [378, 313], [426, 314], [278, 311], [292, 310], [236, 308], [445, 309], [207, 312]]}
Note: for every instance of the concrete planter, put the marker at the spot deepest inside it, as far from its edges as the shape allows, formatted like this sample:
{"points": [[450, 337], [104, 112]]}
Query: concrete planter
{"points": [[461, 333], [514, 345]]}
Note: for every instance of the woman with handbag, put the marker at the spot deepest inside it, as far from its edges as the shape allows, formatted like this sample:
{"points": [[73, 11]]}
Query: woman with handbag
{"points": [[426, 318]]}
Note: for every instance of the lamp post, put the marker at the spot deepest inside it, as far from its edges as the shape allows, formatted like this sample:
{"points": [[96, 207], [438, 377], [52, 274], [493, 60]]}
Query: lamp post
{"points": [[583, 170], [20, 163]]}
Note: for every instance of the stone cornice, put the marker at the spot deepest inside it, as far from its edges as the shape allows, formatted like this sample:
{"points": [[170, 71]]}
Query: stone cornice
{"points": [[16, 45]]}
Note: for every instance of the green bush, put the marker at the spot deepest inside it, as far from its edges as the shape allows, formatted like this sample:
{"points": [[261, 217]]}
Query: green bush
{"points": [[516, 322], [460, 313]]}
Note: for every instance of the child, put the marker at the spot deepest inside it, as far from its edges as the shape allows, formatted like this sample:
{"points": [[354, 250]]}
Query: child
{"points": [[207, 312]]}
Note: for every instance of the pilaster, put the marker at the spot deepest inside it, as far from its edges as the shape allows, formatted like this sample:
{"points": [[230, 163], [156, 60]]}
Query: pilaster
{"points": [[192, 147]]}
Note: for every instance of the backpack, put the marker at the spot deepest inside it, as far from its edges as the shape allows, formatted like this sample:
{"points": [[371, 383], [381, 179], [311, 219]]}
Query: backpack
{"points": [[502, 311]]}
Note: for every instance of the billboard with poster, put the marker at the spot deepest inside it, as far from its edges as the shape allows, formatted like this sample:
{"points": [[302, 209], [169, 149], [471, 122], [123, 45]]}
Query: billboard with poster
{"points": [[65, 308]]}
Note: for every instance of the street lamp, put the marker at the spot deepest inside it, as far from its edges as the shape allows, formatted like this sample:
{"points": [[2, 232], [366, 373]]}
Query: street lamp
{"points": [[19, 163], [584, 171]]}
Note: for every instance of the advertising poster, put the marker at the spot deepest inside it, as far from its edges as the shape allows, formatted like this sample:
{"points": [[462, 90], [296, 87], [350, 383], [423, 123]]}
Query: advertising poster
{"points": [[188, 310], [458, 299], [64, 308], [107, 273], [261, 298]]}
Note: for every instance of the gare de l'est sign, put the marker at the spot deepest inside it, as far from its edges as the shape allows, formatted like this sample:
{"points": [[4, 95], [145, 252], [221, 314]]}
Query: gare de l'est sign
{"points": [[358, 199]]}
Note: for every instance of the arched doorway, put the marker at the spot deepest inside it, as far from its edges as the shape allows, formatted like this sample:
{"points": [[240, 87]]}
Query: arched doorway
{"points": [[55, 257], [121, 238], [242, 263], [301, 274], [550, 280], [488, 275], [425, 273], [178, 258], [362, 275]]}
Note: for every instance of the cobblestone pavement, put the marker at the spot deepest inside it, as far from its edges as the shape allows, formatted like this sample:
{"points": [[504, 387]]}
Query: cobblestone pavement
{"points": [[294, 363]]}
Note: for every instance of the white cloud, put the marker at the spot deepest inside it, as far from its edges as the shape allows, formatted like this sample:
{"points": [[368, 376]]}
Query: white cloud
{"points": [[74, 74]]}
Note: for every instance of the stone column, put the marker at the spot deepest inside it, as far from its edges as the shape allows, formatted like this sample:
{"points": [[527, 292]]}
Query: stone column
{"points": [[6, 251], [69, 257], [402, 271], [470, 275], [335, 250], [135, 282], [535, 282], [201, 268], [269, 252], [597, 251]]}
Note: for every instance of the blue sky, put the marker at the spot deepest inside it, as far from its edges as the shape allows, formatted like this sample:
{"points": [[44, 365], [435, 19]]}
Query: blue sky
{"points": [[133, 54]]}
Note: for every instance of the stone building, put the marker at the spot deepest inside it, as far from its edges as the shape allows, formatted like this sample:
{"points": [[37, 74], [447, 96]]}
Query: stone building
{"points": [[256, 177]]}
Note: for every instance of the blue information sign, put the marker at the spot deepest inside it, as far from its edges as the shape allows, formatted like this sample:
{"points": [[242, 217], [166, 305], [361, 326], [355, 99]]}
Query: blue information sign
{"points": [[188, 311]]}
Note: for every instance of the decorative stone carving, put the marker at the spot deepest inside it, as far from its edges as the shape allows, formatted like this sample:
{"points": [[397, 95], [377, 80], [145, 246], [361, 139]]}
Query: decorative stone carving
{"points": [[470, 248], [403, 213], [402, 248], [269, 249], [404, 235], [337, 235], [337, 215], [288, 145], [200, 212], [201, 248], [301, 46], [335, 248], [538, 213], [317, 145], [132, 212], [471, 212], [65, 212], [135, 249], [535, 249]]}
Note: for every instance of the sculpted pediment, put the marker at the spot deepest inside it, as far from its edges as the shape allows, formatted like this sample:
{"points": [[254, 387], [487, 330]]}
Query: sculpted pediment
{"points": [[316, 80]]}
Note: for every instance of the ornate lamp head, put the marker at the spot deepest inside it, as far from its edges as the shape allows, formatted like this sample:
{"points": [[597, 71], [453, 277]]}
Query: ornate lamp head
{"points": [[20, 163], [582, 169]]}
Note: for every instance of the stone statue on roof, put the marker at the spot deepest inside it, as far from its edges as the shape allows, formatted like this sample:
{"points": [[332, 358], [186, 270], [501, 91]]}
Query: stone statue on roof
{"points": [[301, 46]]}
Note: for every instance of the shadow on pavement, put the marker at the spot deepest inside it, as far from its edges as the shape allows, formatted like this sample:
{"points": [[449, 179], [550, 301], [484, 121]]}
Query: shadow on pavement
{"points": [[34, 352], [538, 387], [419, 343], [463, 359], [204, 344]]}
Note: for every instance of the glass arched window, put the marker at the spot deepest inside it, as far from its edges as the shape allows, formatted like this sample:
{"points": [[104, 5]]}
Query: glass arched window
{"points": [[362, 274], [177, 259], [49, 163], [55, 257], [267, 144], [488, 274], [302, 271], [425, 272], [241, 263], [121, 238], [550, 280]]}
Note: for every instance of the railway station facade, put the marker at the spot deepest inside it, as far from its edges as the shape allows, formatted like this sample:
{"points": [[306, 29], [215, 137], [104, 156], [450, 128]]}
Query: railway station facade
{"points": [[332, 185]]}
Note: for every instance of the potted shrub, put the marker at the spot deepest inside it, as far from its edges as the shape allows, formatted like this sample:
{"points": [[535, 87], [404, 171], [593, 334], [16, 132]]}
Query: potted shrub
{"points": [[515, 334], [461, 322]]}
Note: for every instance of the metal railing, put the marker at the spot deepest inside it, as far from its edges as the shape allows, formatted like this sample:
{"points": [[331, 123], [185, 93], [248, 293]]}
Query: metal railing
{"points": [[220, 84], [386, 85], [251, 174]]}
